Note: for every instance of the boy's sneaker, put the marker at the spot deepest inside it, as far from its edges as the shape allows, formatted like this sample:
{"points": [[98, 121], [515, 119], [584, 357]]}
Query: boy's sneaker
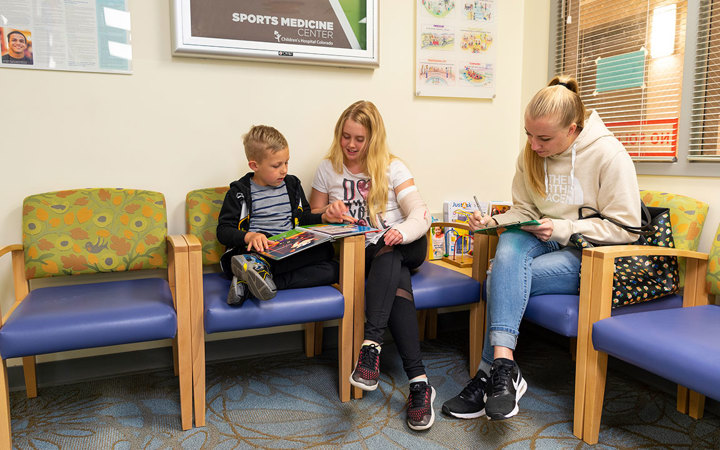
{"points": [[420, 413], [254, 271], [505, 388], [470, 402], [238, 292], [367, 370]]}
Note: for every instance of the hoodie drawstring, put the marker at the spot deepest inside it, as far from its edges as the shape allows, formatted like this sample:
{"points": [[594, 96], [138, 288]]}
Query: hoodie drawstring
{"points": [[571, 192]]}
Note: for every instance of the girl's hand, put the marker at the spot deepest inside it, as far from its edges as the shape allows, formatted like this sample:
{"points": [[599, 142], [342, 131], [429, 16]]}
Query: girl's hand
{"points": [[257, 241], [393, 237], [543, 231], [478, 221], [336, 212]]}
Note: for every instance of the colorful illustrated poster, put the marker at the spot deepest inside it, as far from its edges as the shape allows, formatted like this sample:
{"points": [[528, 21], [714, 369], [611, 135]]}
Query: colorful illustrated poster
{"points": [[76, 35], [455, 48]]}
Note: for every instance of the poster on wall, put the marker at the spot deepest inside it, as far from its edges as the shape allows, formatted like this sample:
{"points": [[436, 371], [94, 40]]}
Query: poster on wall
{"points": [[75, 35], [330, 32], [455, 48]]}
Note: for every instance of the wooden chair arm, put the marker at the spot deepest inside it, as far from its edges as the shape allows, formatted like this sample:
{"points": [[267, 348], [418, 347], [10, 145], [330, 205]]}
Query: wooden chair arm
{"points": [[617, 251], [178, 273], [695, 291], [20, 281], [193, 242], [460, 225], [598, 266], [10, 248]]}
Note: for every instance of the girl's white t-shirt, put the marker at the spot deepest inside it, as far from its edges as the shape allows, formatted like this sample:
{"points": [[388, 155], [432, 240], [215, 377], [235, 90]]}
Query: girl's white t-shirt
{"points": [[353, 189]]}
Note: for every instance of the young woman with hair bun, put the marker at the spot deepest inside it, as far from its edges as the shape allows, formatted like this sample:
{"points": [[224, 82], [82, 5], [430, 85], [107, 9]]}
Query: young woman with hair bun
{"points": [[570, 160]]}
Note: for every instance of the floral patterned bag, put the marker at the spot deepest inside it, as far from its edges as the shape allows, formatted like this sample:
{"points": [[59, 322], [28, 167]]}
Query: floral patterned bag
{"points": [[640, 278]]}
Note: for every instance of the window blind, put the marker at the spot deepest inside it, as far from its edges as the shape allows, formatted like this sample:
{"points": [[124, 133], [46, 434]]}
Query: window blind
{"points": [[705, 121], [613, 48]]}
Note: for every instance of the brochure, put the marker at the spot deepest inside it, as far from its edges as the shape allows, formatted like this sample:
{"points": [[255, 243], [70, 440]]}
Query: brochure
{"points": [[506, 226], [302, 238]]}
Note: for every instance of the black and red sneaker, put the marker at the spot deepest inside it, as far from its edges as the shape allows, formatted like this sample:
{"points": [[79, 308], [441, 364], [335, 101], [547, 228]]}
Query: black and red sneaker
{"points": [[420, 413], [367, 370]]}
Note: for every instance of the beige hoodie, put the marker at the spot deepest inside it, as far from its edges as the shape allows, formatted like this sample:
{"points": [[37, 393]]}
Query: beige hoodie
{"points": [[595, 171]]}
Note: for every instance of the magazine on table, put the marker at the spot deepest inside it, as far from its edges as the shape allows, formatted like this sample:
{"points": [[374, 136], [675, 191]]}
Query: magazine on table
{"points": [[507, 226], [302, 238]]}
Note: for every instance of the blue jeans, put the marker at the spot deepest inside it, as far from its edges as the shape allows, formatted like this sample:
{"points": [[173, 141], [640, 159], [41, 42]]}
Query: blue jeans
{"points": [[523, 266]]}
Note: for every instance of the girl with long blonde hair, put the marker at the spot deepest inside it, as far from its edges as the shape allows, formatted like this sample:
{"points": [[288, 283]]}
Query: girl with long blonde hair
{"points": [[361, 180]]}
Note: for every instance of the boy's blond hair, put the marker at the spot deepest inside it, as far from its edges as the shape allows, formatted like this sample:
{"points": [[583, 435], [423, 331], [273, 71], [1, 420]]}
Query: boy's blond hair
{"points": [[262, 141]]}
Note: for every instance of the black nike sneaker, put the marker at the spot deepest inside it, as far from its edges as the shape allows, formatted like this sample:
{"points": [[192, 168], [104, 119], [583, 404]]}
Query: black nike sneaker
{"points": [[470, 402], [505, 388]]}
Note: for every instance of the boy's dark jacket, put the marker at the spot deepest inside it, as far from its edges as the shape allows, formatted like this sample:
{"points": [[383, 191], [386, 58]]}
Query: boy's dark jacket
{"points": [[234, 219]]}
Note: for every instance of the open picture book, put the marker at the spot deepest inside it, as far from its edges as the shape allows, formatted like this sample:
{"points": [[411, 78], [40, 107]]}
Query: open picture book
{"points": [[506, 226], [302, 238]]}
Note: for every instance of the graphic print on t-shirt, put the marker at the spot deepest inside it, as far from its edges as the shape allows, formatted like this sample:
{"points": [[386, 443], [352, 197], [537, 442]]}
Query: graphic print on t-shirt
{"points": [[355, 198]]}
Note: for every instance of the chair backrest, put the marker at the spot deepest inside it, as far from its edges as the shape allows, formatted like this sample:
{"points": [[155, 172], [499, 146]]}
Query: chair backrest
{"points": [[202, 208], [687, 217], [713, 273], [93, 230]]}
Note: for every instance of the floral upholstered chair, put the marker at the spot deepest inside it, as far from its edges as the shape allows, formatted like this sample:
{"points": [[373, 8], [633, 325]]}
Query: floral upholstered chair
{"points": [[309, 306], [86, 232]]}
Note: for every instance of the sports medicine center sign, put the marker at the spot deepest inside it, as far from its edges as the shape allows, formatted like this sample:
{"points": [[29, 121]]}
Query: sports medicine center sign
{"points": [[318, 31]]}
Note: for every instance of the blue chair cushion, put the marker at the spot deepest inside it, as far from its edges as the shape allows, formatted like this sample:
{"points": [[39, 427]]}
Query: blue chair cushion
{"points": [[559, 312], [289, 306], [60, 318], [681, 345], [437, 287]]}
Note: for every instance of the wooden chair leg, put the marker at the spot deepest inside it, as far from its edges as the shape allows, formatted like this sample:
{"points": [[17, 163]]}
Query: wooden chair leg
{"points": [[5, 431], [573, 349], [696, 405], [30, 376], [176, 369], [683, 399], [596, 368], [358, 329], [185, 378], [477, 335], [197, 329], [421, 319], [310, 339], [318, 337], [345, 352], [431, 324]]}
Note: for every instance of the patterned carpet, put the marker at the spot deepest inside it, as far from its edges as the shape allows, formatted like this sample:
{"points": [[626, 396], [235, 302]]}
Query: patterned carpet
{"points": [[288, 401]]}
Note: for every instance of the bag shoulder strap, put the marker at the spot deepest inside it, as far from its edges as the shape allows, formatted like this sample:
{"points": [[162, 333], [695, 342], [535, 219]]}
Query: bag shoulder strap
{"points": [[645, 228]]}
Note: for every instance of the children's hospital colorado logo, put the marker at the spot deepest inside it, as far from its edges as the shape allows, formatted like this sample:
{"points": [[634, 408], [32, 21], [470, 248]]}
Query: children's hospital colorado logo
{"points": [[301, 31], [560, 190]]}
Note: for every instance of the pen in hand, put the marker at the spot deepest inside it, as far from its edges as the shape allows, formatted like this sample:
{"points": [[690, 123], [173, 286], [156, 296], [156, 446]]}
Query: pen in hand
{"points": [[480, 221]]}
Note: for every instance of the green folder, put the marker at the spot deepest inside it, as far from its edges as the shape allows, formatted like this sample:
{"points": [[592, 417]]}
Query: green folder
{"points": [[507, 226]]}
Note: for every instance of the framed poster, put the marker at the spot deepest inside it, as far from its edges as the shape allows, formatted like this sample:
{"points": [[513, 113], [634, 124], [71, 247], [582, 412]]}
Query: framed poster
{"points": [[455, 48], [73, 35], [330, 32]]}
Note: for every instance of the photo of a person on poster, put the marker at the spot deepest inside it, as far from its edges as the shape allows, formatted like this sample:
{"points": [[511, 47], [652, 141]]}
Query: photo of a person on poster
{"points": [[18, 48]]}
